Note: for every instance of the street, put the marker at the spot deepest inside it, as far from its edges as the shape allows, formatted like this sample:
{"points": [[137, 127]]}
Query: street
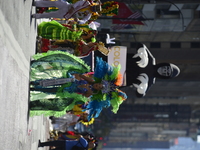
{"points": [[17, 45]]}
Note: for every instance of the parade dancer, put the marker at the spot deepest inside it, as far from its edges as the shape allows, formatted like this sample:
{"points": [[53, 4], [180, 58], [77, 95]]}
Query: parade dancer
{"points": [[102, 88], [50, 66], [67, 10], [80, 142]]}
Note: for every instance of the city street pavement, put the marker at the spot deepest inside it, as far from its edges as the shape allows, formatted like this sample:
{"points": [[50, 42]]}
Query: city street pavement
{"points": [[17, 44]]}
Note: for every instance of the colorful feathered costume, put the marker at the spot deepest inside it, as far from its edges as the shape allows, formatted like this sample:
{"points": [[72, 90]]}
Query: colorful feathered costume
{"points": [[111, 79]]}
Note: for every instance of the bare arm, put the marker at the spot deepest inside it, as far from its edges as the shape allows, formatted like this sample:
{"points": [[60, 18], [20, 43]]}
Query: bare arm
{"points": [[88, 79], [88, 91]]}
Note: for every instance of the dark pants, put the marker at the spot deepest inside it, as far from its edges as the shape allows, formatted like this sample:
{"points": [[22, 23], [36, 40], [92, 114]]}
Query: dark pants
{"points": [[60, 145], [45, 90]]}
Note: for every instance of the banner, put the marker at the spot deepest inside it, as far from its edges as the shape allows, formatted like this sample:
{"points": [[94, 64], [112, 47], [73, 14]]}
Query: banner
{"points": [[117, 56]]}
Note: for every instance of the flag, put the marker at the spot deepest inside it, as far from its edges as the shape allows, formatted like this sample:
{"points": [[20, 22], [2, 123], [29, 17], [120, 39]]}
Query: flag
{"points": [[129, 26], [125, 12], [126, 22], [123, 26], [133, 18]]}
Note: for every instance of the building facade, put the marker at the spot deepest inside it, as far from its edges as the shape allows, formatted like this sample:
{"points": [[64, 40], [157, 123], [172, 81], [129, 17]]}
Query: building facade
{"points": [[171, 108]]}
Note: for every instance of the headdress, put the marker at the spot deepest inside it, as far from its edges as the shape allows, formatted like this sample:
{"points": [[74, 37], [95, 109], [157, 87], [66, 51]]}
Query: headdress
{"points": [[110, 8]]}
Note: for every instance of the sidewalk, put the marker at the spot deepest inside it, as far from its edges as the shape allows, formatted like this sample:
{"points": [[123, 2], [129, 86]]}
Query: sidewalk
{"points": [[38, 128]]}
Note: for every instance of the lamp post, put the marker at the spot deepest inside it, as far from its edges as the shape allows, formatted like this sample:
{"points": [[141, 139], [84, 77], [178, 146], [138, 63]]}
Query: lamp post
{"points": [[183, 26]]}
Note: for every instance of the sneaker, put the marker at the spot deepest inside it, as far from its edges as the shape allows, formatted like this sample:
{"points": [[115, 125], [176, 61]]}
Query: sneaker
{"points": [[39, 144], [33, 3], [51, 117]]}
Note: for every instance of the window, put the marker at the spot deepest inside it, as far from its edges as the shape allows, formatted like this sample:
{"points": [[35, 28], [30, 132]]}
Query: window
{"points": [[165, 13], [162, 6], [175, 45], [155, 45], [195, 45], [190, 6]]}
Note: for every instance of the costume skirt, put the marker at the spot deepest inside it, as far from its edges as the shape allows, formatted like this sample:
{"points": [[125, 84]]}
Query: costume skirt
{"points": [[55, 65], [56, 31]]}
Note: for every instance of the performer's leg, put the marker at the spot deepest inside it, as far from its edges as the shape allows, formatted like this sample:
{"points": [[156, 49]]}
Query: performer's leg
{"points": [[45, 90], [46, 3], [63, 7], [60, 144], [53, 14], [58, 4], [34, 83]]}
